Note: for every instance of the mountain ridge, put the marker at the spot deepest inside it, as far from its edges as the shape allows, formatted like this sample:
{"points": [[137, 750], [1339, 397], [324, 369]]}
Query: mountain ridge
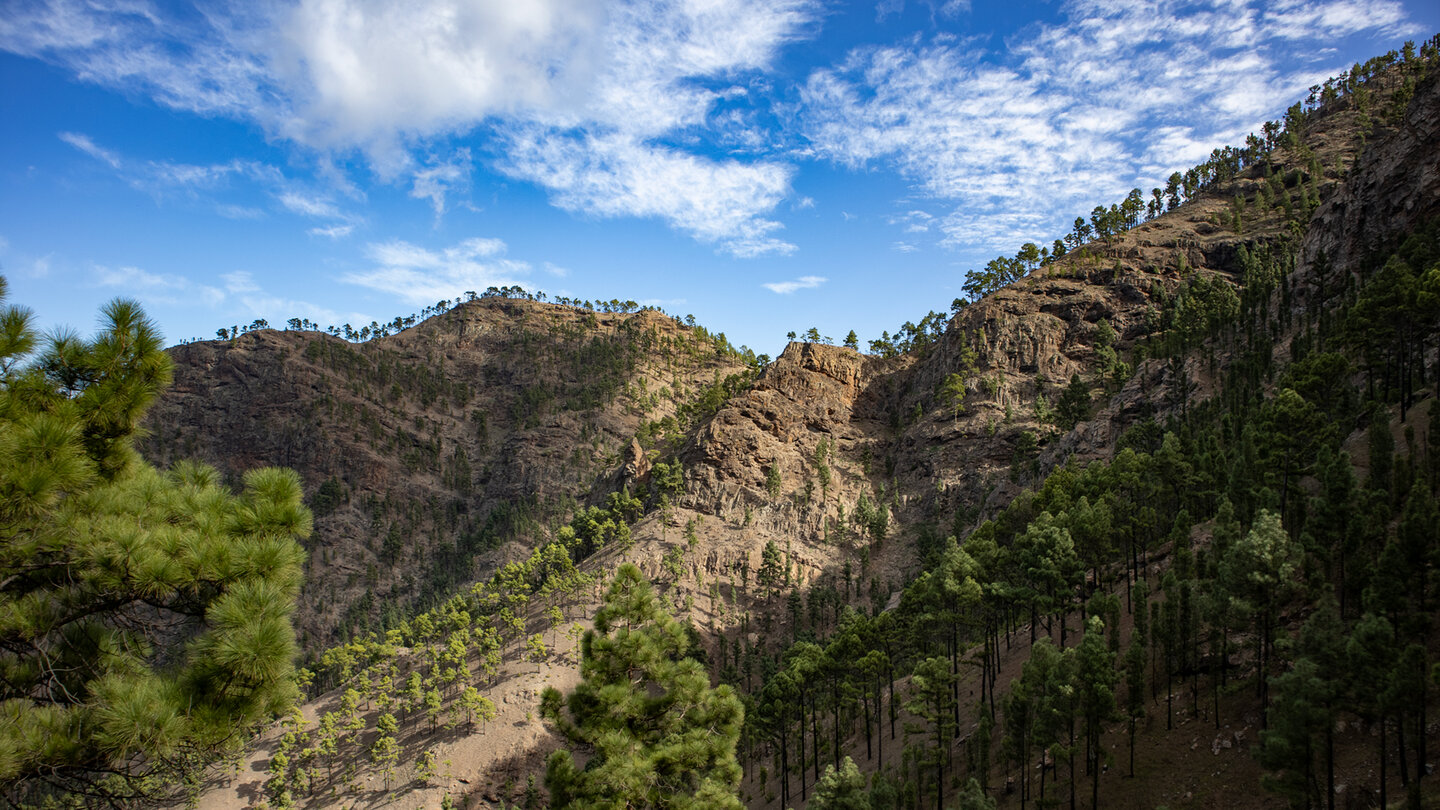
{"points": [[856, 466]]}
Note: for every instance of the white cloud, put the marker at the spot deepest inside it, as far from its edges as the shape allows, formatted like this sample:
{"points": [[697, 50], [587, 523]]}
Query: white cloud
{"points": [[433, 182], [802, 283], [1300, 21], [230, 211], [377, 72], [421, 276], [157, 288], [616, 108], [84, 144], [276, 308], [36, 267], [913, 221], [332, 232], [202, 63], [715, 202], [601, 157], [308, 205], [1075, 113], [593, 86], [317, 206], [904, 247]]}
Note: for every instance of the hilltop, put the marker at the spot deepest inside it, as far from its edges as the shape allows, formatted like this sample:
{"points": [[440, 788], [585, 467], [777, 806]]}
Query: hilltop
{"points": [[432, 456], [1185, 383]]}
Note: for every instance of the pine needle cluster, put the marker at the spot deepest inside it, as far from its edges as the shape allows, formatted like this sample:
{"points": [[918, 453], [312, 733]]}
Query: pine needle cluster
{"points": [[144, 615]]}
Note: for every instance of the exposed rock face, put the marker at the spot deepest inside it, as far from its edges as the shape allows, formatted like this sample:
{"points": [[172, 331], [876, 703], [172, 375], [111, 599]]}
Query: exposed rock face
{"points": [[442, 443], [891, 431], [1390, 189], [486, 424], [637, 464], [807, 396]]}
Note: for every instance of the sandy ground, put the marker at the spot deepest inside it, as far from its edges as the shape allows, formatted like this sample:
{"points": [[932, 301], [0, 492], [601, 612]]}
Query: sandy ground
{"points": [[479, 768]]}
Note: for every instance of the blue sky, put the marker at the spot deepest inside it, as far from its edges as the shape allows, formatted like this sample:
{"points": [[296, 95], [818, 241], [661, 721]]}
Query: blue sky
{"points": [[765, 166]]}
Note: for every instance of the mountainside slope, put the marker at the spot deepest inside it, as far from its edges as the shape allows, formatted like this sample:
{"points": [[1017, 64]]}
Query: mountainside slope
{"points": [[808, 500], [425, 453]]}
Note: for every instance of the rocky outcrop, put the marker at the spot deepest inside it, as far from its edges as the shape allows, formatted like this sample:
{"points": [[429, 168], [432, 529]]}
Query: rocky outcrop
{"points": [[813, 394], [1389, 191], [424, 453], [933, 458]]}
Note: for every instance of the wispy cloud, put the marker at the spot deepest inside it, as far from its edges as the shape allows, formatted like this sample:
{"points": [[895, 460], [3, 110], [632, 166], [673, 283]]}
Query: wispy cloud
{"points": [[602, 157], [332, 232], [308, 205], [231, 211], [304, 202], [715, 202], [240, 282], [157, 288], [802, 283], [422, 276], [599, 95], [164, 179], [256, 301], [661, 108], [1072, 114], [434, 182], [84, 144], [163, 176], [913, 221], [203, 63], [12, 262]]}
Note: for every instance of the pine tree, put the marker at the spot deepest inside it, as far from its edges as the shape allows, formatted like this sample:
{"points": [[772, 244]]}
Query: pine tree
{"points": [[972, 797], [931, 701], [658, 735], [1134, 687], [144, 615], [770, 575], [952, 392], [1095, 682], [1259, 572], [385, 752], [1382, 451], [1287, 746], [1302, 718], [841, 790], [1074, 405], [1370, 652]]}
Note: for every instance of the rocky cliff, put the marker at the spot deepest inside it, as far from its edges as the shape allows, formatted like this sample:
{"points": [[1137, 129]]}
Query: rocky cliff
{"points": [[428, 454]]}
